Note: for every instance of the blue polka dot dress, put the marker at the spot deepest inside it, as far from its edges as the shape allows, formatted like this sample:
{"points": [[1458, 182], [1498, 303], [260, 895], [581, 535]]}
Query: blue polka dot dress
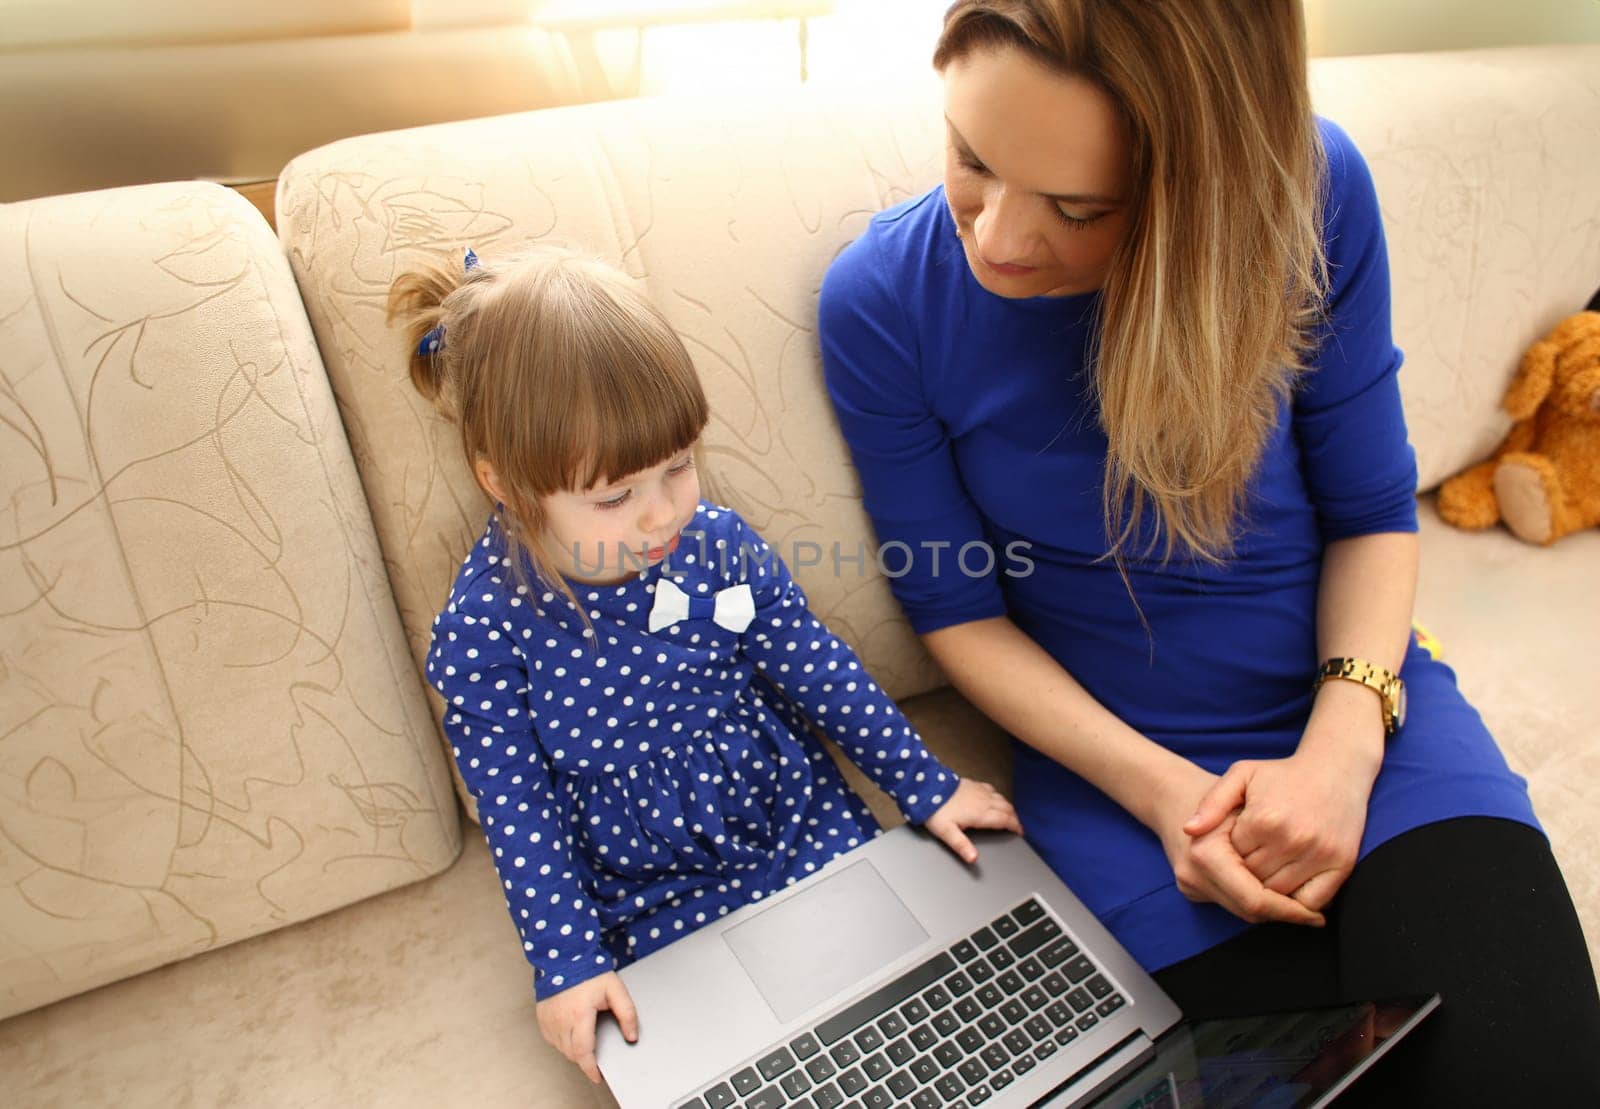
{"points": [[633, 785]]}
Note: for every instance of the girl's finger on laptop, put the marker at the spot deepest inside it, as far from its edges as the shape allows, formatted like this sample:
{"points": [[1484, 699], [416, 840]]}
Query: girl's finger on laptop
{"points": [[955, 839], [999, 816], [621, 1005], [1012, 821], [582, 1049]]}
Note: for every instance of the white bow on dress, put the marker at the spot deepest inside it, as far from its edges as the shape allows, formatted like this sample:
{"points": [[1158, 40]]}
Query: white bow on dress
{"points": [[732, 608]]}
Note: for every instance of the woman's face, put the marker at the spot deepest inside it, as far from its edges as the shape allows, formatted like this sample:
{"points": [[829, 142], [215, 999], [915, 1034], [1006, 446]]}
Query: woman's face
{"points": [[1036, 173]]}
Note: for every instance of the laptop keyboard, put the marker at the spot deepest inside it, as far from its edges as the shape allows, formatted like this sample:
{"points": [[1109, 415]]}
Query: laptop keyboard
{"points": [[949, 1033]]}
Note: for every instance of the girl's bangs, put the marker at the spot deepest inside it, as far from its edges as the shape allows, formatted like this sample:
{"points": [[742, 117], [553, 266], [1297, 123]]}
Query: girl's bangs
{"points": [[633, 406], [604, 387], [597, 449]]}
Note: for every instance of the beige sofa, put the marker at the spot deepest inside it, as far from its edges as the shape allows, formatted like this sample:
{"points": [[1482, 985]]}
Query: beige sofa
{"points": [[227, 522]]}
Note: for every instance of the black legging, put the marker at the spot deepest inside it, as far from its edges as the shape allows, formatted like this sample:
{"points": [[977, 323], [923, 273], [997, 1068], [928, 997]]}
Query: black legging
{"points": [[1473, 909]]}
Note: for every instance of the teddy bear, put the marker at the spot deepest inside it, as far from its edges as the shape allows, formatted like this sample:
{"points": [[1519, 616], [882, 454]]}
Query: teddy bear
{"points": [[1544, 477]]}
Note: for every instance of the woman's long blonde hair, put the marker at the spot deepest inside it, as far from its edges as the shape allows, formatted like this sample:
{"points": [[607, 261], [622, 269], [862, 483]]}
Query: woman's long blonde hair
{"points": [[556, 371], [1213, 300]]}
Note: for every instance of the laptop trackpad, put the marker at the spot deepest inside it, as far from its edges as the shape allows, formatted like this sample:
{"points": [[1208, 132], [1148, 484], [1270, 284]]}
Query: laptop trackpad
{"points": [[836, 933]]}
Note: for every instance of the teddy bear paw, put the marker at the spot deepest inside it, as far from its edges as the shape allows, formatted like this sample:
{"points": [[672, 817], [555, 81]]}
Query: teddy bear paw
{"points": [[1466, 507], [1524, 501]]}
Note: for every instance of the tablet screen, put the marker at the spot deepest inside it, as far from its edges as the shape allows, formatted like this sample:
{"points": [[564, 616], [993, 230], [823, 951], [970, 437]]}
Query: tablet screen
{"points": [[1297, 1060]]}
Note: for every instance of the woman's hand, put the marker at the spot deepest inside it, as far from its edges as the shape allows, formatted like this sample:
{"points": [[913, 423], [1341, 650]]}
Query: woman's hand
{"points": [[972, 805], [567, 1019], [1296, 822], [1207, 865]]}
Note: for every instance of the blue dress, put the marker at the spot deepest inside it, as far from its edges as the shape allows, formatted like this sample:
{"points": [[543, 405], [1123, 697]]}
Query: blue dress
{"points": [[971, 418], [633, 785]]}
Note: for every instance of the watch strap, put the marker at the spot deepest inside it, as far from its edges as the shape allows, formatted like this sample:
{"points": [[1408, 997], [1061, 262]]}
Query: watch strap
{"points": [[1385, 683]]}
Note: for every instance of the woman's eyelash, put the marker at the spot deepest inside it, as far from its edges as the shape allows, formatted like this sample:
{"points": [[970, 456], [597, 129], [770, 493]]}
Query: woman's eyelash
{"points": [[1073, 222]]}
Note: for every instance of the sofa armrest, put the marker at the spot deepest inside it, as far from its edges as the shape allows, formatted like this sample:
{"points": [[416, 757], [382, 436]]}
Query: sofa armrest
{"points": [[209, 727]]}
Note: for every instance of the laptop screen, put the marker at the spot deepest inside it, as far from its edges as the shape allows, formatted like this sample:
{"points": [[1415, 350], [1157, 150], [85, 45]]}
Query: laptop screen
{"points": [[1296, 1060]]}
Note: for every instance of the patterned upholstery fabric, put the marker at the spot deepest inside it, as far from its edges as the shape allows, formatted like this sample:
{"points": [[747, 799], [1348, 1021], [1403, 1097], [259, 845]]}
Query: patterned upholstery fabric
{"points": [[209, 727]]}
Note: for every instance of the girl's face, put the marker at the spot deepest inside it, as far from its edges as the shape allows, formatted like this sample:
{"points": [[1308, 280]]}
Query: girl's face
{"points": [[608, 533], [1036, 174]]}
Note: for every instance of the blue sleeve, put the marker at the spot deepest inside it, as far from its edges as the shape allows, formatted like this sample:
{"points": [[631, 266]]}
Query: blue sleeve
{"points": [[1359, 467], [483, 677], [910, 484], [822, 675]]}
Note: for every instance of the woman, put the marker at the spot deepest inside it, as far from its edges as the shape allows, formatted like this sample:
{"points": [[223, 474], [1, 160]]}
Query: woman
{"points": [[1144, 327]]}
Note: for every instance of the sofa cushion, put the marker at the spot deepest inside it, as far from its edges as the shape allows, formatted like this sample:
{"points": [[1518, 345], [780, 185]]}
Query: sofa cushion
{"points": [[209, 727], [1520, 626]]}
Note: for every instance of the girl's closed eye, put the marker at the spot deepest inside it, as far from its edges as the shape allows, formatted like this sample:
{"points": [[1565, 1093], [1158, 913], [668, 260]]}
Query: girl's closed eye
{"points": [[677, 469]]}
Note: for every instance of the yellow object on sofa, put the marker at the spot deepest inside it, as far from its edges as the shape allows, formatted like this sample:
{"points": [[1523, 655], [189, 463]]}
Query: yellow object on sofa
{"points": [[1544, 478]]}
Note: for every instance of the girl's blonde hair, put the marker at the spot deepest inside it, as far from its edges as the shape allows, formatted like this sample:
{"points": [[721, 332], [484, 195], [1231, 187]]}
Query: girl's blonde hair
{"points": [[557, 372], [1214, 298]]}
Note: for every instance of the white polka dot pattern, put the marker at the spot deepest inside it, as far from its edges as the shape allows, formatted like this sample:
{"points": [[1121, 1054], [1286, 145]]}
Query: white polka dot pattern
{"points": [[633, 786]]}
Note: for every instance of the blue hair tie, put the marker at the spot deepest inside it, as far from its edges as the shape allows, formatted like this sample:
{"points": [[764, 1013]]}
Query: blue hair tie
{"points": [[433, 342]]}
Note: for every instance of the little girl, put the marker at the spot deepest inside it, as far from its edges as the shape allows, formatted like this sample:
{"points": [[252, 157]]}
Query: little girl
{"points": [[627, 669]]}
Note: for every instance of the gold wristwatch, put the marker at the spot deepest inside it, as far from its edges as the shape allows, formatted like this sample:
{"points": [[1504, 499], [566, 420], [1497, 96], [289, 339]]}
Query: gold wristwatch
{"points": [[1390, 689]]}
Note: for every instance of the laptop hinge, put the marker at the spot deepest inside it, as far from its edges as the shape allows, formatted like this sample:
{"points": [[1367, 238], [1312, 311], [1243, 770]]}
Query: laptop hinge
{"points": [[1104, 1072]]}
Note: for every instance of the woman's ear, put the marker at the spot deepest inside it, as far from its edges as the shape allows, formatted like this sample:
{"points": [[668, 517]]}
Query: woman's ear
{"points": [[488, 480]]}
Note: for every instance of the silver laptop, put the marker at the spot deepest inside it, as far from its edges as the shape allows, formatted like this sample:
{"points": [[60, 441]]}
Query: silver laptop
{"points": [[896, 975]]}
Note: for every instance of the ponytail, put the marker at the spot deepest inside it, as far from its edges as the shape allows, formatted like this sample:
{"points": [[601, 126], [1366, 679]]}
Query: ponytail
{"points": [[418, 298]]}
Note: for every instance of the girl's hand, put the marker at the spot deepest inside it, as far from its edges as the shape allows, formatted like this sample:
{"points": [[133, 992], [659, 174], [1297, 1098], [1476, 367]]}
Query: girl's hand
{"points": [[567, 1019], [972, 805], [1296, 822], [1208, 867]]}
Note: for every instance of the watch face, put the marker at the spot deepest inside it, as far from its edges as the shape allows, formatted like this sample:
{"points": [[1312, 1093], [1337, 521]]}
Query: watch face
{"points": [[1400, 710]]}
